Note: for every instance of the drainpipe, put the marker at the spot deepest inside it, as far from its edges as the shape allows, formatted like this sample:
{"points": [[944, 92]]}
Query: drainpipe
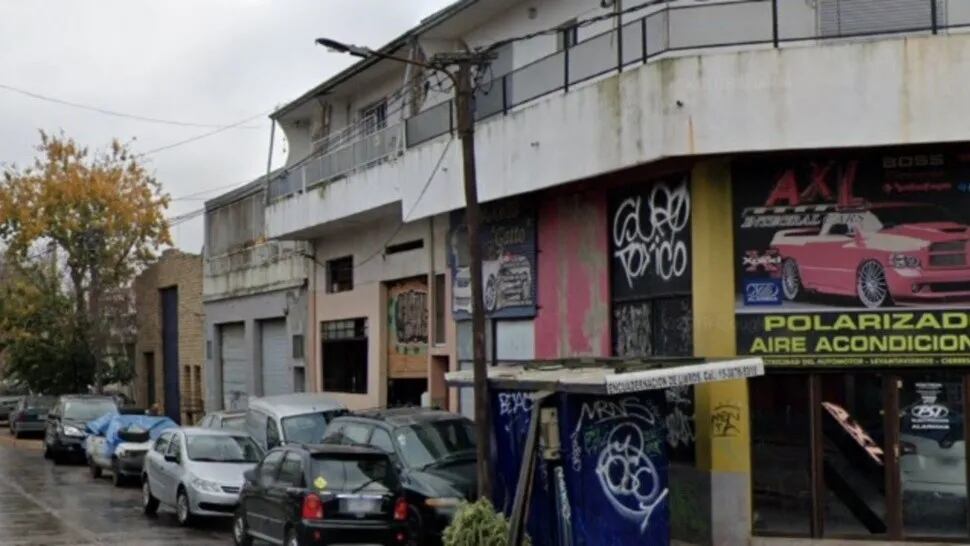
{"points": [[432, 305]]}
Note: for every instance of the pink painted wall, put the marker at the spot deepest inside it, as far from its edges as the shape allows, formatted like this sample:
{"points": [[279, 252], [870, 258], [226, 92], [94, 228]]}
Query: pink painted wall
{"points": [[574, 298]]}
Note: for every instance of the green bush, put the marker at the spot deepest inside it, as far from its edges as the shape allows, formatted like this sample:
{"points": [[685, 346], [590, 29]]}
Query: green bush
{"points": [[477, 524]]}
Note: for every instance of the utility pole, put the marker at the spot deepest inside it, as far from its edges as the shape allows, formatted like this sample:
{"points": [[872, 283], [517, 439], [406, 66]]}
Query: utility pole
{"points": [[458, 67]]}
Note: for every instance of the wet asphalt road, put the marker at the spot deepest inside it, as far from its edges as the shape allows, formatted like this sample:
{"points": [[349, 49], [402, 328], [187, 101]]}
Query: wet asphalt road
{"points": [[45, 505]]}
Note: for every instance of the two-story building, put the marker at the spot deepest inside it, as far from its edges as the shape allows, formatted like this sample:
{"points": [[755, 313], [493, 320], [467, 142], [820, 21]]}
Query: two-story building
{"points": [[781, 178], [255, 299]]}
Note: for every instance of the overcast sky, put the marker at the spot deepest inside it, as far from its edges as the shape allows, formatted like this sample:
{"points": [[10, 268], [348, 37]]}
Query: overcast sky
{"points": [[199, 61]]}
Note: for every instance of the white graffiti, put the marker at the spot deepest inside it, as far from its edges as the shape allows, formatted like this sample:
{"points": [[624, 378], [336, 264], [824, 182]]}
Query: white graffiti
{"points": [[605, 411], [659, 248], [513, 403], [627, 475]]}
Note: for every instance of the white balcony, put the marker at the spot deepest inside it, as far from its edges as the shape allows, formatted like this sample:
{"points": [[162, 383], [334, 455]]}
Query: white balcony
{"points": [[695, 79]]}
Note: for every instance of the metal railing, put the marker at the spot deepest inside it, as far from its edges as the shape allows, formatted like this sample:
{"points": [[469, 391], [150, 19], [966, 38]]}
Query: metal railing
{"points": [[671, 28]]}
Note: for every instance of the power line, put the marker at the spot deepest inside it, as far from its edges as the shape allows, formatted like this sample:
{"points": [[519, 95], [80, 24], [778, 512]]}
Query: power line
{"points": [[114, 113], [201, 136]]}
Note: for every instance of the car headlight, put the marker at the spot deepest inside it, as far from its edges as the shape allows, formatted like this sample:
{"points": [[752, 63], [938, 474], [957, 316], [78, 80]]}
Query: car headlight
{"points": [[206, 485], [72, 431], [443, 502], [902, 261]]}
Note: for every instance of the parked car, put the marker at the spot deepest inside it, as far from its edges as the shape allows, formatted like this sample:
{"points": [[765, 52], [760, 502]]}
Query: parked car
{"points": [[64, 431], [30, 415], [7, 405], [291, 418], [879, 254], [199, 471], [301, 495], [434, 451], [228, 419], [118, 443]]}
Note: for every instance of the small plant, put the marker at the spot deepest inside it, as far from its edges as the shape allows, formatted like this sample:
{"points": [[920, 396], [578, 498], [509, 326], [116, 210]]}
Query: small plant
{"points": [[477, 524]]}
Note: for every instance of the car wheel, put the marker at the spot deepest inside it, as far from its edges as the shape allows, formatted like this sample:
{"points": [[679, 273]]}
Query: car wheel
{"points": [[117, 478], [94, 468], [491, 293], [871, 286], [791, 280], [149, 503], [183, 510], [415, 527], [240, 531]]}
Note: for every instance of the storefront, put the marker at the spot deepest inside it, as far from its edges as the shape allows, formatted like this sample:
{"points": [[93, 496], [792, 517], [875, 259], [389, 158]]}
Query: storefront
{"points": [[852, 282]]}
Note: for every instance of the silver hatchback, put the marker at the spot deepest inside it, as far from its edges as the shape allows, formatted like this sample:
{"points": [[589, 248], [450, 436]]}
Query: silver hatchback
{"points": [[197, 471]]}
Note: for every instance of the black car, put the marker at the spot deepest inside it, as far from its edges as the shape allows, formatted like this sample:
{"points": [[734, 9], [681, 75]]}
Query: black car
{"points": [[322, 495], [65, 429], [434, 451]]}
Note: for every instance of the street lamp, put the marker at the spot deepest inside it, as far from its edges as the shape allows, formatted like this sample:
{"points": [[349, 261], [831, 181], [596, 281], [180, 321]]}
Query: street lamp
{"points": [[461, 77]]}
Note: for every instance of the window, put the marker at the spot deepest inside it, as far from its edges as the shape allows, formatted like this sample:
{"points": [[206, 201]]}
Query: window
{"points": [[567, 36], [425, 444], [161, 445], [291, 471], [222, 449], [208, 421], [439, 309], [297, 345], [308, 428], [256, 425], [404, 247], [345, 356], [175, 446], [270, 466], [340, 275], [364, 473], [374, 117], [272, 434], [382, 440], [356, 434], [299, 379]]}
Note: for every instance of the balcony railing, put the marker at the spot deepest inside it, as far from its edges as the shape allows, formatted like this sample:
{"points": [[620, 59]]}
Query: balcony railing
{"points": [[663, 30]]}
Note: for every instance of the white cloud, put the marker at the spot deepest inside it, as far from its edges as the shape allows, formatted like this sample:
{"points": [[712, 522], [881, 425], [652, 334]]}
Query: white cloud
{"points": [[203, 61]]}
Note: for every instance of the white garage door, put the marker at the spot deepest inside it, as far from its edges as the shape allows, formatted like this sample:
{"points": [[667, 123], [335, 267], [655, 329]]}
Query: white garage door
{"points": [[277, 377], [235, 366]]}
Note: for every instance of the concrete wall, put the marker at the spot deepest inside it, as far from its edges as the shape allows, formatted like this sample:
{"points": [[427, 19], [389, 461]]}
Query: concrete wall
{"points": [[184, 271], [368, 299], [263, 267], [290, 304]]}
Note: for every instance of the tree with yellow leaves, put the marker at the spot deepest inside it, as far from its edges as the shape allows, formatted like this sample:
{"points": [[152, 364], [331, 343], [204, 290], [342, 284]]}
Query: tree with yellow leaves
{"points": [[103, 213]]}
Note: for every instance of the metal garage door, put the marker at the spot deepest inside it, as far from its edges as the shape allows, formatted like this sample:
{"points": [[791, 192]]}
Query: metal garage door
{"points": [[277, 374], [235, 366]]}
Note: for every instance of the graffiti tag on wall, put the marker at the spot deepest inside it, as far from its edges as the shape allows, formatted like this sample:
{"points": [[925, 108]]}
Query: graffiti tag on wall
{"points": [[407, 333]]}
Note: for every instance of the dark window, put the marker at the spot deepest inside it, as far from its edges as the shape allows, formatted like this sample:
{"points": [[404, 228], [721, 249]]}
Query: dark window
{"points": [[654, 327], [299, 379], [404, 247], [368, 474], [382, 440], [356, 434], [340, 274], [298, 345], [424, 444], [150, 377], [374, 117], [440, 304], [270, 466], [291, 471], [222, 449], [175, 446], [272, 434], [345, 356], [308, 428], [567, 36], [161, 445]]}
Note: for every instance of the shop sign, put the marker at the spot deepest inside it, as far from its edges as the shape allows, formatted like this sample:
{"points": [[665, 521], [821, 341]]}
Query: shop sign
{"points": [[508, 238], [854, 261]]}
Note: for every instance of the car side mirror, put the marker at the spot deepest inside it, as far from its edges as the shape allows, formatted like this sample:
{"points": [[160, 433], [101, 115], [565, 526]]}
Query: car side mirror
{"points": [[171, 458]]}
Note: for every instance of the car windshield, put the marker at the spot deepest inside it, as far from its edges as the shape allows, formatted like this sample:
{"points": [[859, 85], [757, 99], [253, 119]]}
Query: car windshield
{"points": [[915, 214], [357, 473], [222, 449], [305, 429], [41, 403], [88, 410], [429, 443], [234, 422]]}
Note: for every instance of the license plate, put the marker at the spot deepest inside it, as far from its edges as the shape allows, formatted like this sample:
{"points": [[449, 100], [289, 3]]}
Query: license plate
{"points": [[360, 506]]}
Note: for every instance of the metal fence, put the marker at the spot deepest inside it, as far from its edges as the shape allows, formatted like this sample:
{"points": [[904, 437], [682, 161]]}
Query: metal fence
{"points": [[662, 29]]}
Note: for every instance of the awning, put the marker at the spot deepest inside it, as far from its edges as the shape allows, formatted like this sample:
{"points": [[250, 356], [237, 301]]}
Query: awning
{"points": [[610, 376]]}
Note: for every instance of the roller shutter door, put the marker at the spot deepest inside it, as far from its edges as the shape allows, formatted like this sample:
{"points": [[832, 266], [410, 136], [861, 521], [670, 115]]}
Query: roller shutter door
{"points": [[235, 366], [277, 374], [848, 17]]}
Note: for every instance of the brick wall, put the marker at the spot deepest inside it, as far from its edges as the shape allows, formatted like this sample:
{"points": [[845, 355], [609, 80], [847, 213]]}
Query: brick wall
{"points": [[184, 272]]}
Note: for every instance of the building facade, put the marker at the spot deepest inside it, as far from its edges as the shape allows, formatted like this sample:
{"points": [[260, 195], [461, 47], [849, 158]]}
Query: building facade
{"points": [[169, 343], [255, 301], [781, 179]]}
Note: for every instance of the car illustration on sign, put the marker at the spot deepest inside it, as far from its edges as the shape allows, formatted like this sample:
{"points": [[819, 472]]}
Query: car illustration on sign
{"points": [[880, 254], [507, 282]]}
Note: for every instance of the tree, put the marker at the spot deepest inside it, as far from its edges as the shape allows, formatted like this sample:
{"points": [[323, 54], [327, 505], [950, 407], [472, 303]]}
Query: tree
{"points": [[102, 211]]}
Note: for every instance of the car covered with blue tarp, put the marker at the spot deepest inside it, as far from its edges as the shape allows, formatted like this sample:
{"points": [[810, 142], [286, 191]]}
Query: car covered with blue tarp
{"points": [[118, 443]]}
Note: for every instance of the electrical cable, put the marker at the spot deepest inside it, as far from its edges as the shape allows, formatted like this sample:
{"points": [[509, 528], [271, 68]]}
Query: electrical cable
{"points": [[201, 136], [114, 113]]}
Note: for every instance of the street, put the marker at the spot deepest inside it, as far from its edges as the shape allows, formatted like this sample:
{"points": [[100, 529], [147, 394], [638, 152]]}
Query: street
{"points": [[44, 504]]}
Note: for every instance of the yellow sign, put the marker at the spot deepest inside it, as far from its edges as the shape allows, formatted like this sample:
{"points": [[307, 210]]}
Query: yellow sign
{"points": [[320, 482]]}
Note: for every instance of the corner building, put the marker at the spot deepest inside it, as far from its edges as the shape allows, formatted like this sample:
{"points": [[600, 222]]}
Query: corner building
{"points": [[688, 179]]}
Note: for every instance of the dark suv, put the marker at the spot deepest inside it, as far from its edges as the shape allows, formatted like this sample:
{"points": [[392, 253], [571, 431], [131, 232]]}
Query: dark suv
{"points": [[322, 495], [434, 451], [65, 429]]}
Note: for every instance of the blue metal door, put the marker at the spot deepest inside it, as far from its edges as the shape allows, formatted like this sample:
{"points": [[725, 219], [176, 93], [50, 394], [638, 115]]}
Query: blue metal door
{"points": [[170, 351]]}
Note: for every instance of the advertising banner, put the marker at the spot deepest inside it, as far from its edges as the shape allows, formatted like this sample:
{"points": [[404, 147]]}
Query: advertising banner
{"points": [[407, 328], [854, 260], [615, 468], [508, 237]]}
